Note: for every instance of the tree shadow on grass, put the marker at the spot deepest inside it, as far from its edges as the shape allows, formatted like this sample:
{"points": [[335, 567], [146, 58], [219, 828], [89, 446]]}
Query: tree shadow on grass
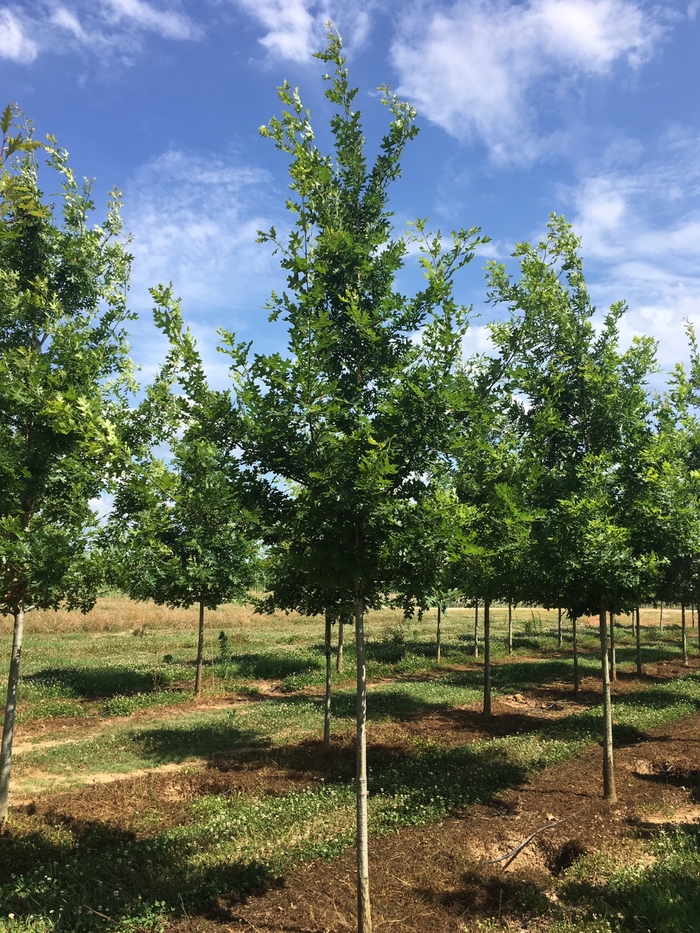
{"points": [[91, 683], [84, 871], [274, 666], [663, 897], [179, 741]]}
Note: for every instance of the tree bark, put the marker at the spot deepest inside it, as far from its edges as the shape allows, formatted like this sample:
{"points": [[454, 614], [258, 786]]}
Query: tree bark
{"points": [[609, 791], [640, 669], [339, 655], [574, 638], [559, 632], [364, 911], [613, 653], [200, 651], [510, 626], [661, 617], [8, 730], [476, 628], [327, 700], [438, 636], [684, 636], [487, 658]]}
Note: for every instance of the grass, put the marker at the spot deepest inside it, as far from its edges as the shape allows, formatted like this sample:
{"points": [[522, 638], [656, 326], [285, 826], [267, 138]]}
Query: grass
{"points": [[124, 673]]}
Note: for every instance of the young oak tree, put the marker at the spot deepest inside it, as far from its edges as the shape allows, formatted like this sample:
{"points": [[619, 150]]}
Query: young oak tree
{"points": [[64, 369], [179, 533], [582, 409], [350, 423]]}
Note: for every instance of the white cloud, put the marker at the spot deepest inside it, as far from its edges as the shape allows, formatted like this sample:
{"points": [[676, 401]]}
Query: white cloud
{"points": [[641, 242], [100, 26], [194, 219], [14, 44], [169, 24], [295, 29], [477, 68]]}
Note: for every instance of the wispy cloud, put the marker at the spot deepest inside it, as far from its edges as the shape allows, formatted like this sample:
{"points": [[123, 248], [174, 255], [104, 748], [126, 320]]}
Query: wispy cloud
{"points": [[295, 29], [641, 240], [100, 26], [479, 67], [168, 23], [15, 44], [194, 219]]}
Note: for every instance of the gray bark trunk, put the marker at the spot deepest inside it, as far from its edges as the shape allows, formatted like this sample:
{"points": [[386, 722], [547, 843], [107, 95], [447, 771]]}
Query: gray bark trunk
{"points": [[8, 730], [661, 617], [640, 669], [438, 636], [200, 651], [609, 791], [327, 700], [559, 631], [510, 626], [613, 653], [574, 639], [364, 911], [476, 628], [339, 655], [684, 636], [487, 659]]}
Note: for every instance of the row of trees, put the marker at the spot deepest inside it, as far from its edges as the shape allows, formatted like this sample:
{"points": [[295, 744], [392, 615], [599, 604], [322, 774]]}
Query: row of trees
{"points": [[372, 461]]}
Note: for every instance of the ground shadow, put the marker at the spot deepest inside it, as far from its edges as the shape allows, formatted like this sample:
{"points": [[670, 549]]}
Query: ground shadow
{"points": [[90, 871], [180, 741], [95, 682]]}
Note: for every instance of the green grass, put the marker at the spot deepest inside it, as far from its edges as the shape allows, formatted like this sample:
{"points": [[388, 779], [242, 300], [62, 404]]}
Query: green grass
{"points": [[65, 876]]}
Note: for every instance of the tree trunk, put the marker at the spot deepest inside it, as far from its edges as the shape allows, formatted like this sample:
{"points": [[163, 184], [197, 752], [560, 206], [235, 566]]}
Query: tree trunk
{"points": [[8, 730], [613, 653], [510, 626], [640, 669], [327, 701], [684, 636], [661, 617], [609, 791], [476, 628], [339, 655], [438, 641], [692, 615], [574, 638], [200, 651], [559, 632], [487, 658], [364, 912]]}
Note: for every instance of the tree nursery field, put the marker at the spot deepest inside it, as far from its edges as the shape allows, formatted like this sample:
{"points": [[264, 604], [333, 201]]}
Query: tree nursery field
{"points": [[136, 807]]}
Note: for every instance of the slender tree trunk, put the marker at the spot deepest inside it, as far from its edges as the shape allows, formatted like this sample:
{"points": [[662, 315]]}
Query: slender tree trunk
{"points": [[200, 651], [476, 628], [559, 632], [364, 912], [327, 701], [510, 626], [684, 636], [692, 615], [640, 669], [574, 640], [661, 617], [487, 658], [339, 655], [613, 653], [438, 635], [609, 791], [10, 713]]}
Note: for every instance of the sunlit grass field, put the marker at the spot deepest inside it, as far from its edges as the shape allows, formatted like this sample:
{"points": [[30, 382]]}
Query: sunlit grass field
{"points": [[110, 694]]}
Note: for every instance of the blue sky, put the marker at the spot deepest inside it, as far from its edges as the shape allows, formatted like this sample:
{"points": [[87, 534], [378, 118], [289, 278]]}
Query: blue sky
{"points": [[584, 107]]}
